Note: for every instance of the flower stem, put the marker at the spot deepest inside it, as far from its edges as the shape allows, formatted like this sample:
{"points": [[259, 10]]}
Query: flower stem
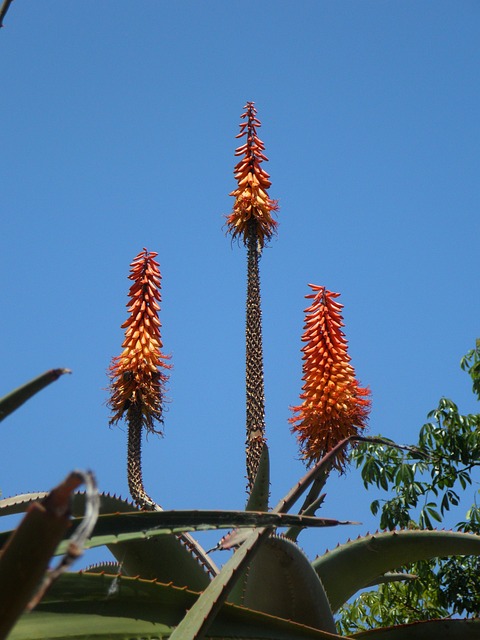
{"points": [[255, 400], [134, 460]]}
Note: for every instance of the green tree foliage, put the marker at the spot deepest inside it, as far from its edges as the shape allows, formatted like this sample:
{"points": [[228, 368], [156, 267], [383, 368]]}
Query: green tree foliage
{"points": [[425, 484]]}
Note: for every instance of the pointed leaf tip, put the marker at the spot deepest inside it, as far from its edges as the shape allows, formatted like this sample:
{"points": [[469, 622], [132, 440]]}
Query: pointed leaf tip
{"points": [[13, 400]]}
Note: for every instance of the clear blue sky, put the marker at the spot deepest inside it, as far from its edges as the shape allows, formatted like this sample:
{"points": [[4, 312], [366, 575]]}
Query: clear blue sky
{"points": [[118, 133]]}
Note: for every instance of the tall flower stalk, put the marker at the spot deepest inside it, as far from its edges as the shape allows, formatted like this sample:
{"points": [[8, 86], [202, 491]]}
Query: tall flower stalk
{"points": [[334, 405], [137, 375], [251, 221]]}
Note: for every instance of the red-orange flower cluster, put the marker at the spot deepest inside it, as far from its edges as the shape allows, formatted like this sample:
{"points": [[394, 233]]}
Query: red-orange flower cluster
{"points": [[334, 405], [137, 375], [252, 202]]}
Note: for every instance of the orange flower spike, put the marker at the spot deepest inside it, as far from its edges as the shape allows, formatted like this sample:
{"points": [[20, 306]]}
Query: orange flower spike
{"points": [[334, 405], [138, 374], [252, 202]]}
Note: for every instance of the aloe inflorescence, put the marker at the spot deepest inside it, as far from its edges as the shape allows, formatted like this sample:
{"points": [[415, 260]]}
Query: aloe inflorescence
{"points": [[253, 207], [334, 405], [251, 220], [138, 375]]}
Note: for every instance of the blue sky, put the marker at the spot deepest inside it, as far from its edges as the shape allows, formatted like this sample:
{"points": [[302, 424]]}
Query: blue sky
{"points": [[119, 132]]}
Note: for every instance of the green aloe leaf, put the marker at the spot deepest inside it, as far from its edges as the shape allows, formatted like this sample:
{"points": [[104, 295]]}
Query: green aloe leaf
{"points": [[202, 615], [319, 473], [426, 630], [81, 606], [171, 558], [108, 503], [16, 398], [20, 503], [87, 626], [258, 498], [167, 558], [121, 527], [144, 548], [159, 522], [100, 606], [280, 581], [361, 561], [310, 510], [108, 567], [392, 577]]}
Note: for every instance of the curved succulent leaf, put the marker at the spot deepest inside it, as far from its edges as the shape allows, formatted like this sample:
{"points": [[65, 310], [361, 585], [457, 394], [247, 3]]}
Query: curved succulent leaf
{"points": [[309, 510], [158, 522], [110, 568], [109, 607], [113, 528], [392, 577], [426, 630], [280, 581], [108, 503], [16, 398], [46, 625], [258, 498], [202, 615], [167, 558], [323, 467], [361, 561], [20, 503], [318, 472], [122, 527], [172, 558], [176, 558]]}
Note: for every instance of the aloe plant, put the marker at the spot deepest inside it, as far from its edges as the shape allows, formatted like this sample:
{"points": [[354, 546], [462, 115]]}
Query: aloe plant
{"points": [[162, 583]]}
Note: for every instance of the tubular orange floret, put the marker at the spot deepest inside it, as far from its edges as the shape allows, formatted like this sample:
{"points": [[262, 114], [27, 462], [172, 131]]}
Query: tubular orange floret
{"points": [[334, 405], [252, 202], [137, 374]]}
